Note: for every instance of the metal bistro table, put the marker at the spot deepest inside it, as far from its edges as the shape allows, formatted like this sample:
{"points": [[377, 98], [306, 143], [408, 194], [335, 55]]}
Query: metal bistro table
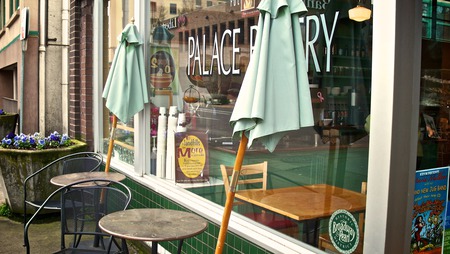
{"points": [[65, 179], [154, 225], [307, 204]]}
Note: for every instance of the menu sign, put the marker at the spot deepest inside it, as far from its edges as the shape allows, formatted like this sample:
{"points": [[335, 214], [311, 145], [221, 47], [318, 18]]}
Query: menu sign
{"points": [[191, 157], [429, 215]]}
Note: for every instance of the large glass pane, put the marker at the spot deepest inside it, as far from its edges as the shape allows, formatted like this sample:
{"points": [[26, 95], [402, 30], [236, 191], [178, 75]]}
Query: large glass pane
{"points": [[435, 81], [198, 59], [123, 149], [433, 154]]}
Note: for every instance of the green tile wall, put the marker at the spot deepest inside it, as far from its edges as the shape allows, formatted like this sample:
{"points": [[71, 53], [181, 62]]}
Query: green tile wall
{"points": [[205, 242]]}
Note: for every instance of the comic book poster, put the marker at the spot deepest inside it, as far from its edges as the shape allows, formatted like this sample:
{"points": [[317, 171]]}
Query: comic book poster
{"points": [[430, 202]]}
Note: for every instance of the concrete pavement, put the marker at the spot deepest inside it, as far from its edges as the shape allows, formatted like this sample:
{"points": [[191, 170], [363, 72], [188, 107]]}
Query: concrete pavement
{"points": [[44, 235]]}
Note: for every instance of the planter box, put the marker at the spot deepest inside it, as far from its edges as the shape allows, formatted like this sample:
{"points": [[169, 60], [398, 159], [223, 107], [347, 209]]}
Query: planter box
{"points": [[16, 165], [8, 124]]}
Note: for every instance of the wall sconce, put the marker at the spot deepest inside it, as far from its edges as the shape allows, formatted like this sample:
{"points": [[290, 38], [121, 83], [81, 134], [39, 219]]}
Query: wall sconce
{"points": [[359, 13]]}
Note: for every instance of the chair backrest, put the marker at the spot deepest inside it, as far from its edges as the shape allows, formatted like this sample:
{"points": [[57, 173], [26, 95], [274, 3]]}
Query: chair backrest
{"points": [[83, 207], [362, 215], [72, 163], [252, 176], [82, 164]]}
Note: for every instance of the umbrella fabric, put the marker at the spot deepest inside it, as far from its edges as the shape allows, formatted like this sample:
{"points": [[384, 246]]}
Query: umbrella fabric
{"points": [[162, 35], [275, 96], [126, 87]]}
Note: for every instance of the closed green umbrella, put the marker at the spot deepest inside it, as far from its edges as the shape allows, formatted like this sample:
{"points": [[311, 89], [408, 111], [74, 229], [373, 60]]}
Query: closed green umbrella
{"points": [[126, 87], [274, 97]]}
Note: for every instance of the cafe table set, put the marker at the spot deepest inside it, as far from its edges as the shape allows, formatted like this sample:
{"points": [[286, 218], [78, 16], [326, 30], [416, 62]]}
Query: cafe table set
{"points": [[306, 204], [144, 224]]}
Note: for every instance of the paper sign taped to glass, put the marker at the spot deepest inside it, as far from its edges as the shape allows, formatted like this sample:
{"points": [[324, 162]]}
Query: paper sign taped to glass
{"points": [[429, 227], [163, 68], [191, 158]]}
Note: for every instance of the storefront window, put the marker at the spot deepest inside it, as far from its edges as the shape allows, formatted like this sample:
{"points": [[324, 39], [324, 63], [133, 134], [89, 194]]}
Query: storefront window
{"points": [[124, 147], [433, 156], [435, 81], [198, 59]]}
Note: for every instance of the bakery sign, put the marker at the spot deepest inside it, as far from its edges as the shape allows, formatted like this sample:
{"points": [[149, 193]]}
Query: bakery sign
{"points": [[344, 232], [206, 58], [191, 157]]}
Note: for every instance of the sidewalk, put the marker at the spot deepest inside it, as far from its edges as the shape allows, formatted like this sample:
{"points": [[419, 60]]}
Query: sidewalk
{"points": [[44, 235]]}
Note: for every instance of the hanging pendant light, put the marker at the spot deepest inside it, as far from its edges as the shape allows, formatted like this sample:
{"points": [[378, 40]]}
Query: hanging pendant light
{"points": [[359, 13]]}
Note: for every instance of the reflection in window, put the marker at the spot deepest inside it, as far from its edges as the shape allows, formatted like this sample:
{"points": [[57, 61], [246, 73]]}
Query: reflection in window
{"points": [[435, 20], [434, 131], [173, 9], [204, 78]]}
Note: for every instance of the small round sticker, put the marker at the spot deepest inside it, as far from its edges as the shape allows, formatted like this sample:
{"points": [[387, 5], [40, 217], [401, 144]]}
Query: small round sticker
{"points": [[344, 232]]}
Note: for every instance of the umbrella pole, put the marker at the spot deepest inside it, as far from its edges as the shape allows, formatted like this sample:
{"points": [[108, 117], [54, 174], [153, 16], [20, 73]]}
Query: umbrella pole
{"points": [[111, 143], [230, 194]]}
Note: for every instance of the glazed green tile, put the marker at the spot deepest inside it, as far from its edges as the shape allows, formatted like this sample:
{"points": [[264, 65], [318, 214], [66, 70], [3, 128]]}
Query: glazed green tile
{"points": [[238, 243]]}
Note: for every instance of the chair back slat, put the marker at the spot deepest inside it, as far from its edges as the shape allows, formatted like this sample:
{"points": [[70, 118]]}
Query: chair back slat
{"points": [[252, 176], [82, 208]]}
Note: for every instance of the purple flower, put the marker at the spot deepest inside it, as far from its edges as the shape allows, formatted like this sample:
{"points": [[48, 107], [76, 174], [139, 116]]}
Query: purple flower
{"points": [[35, 141]]}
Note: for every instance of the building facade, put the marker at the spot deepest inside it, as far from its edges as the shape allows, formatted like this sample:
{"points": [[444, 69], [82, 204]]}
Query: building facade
{"points": [[375, 85], [371, 78], [46, 76]]}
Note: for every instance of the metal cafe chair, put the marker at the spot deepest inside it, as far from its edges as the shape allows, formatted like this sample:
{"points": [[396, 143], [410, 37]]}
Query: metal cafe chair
{"points": [[254, 176], [83, 204], [72, 163]]}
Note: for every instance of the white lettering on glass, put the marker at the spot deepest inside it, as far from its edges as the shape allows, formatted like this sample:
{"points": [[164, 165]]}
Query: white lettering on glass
{"points": [[197, 54], [328, 37], [215, 55], [222, 46], [235, 51], [310, 41]]}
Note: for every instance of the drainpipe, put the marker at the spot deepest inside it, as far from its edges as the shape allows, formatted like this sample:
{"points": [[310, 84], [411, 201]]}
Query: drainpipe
{"points": [[24, 18], [22, 83], [65, 65], [42, 66]]}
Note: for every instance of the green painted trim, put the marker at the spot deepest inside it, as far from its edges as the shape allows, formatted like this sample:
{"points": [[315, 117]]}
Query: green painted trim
{"points": [[33, 33], [9, 44], [30, 34]]}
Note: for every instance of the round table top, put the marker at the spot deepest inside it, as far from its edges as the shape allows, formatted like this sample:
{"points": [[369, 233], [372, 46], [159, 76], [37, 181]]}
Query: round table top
{"points": [[65, 179], [147, 224]]}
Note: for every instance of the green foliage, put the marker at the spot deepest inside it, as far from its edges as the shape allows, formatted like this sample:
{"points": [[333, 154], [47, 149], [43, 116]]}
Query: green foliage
{"points": [[5, 210]]}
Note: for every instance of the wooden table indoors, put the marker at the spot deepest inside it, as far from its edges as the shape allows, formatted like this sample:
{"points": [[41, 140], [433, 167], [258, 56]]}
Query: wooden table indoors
{"points": [[307, 204]]}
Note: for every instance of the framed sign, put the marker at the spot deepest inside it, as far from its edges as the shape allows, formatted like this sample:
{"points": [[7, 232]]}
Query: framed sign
{"points": [[191, 157], [24, 23]]}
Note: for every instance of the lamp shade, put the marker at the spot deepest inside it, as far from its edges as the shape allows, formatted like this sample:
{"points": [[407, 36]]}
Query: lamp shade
{"points": [[359, 13]]}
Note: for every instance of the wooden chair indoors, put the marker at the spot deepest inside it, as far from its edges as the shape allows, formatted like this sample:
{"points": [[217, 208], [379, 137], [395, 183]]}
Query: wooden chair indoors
{"points": [[254, 176], [325, 241]]}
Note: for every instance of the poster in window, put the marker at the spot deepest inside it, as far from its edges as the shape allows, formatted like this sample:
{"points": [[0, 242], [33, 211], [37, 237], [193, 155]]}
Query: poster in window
{"points": [[191, 158], [429, 214]]}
